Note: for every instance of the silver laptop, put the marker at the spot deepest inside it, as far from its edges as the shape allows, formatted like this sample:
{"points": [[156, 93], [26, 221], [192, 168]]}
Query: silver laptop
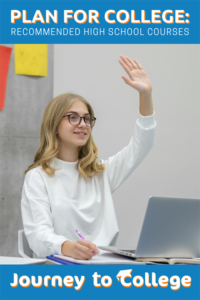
{"points": [[171, 228]]}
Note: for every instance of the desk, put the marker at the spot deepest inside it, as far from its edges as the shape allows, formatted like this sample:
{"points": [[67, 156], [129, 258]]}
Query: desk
{"points": [[6, 260]]}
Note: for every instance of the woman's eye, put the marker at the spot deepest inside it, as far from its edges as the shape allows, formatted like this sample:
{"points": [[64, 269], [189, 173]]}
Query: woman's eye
{"points": [[73, 117], [87, 119]]}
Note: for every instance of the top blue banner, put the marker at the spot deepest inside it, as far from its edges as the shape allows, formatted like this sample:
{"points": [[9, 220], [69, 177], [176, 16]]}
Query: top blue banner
{"points": [[99, 22]]}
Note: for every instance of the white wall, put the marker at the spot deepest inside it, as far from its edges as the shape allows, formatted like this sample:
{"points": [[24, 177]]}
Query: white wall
{"points": [[172, 168]]}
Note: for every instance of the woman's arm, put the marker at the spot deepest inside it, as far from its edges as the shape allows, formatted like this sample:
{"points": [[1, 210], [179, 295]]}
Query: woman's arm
{"points": [[38, 223], [121, 165], [37, 217]]}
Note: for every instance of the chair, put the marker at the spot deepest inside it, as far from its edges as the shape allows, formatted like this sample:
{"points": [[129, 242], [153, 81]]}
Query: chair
{"points": [[23, 246]]}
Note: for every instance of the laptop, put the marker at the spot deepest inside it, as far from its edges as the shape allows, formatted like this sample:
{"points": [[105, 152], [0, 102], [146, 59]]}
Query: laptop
{"points": [[171, 228]]}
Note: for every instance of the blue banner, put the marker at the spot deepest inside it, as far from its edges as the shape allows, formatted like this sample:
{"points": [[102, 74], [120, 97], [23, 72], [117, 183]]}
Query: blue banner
{"points": [[100, 282], [100, 22]]}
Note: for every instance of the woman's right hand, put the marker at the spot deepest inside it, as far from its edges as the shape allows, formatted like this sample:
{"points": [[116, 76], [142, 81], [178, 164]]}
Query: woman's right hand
{"points": [[79, 250]]}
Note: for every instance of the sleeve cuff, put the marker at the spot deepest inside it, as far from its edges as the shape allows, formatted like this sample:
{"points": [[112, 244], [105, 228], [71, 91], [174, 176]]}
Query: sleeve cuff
{"points": [[146, 121], [58, 245]]}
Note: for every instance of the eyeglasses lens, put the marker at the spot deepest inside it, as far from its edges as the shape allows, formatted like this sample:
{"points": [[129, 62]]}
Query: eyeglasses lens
{"points": [[75, 119]]}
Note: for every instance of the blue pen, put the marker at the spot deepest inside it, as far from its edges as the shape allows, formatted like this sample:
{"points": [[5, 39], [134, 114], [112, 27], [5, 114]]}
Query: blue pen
{"points": [[59, 260], [82, 237]]}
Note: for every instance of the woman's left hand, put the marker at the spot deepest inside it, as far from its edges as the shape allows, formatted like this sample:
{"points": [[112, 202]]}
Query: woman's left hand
{"points": [[138, 77]]}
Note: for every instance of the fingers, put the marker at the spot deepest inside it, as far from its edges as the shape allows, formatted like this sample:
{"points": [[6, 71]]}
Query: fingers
{"points": [[138, 64], [129, 64], [89, 245], [126, 68], [84, 249], [128, 81], [133, 64], [132, 83], [81, 252]]}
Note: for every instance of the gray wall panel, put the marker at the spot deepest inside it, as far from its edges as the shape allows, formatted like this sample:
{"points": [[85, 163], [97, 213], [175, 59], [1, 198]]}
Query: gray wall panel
{"points": [[20, 121]]}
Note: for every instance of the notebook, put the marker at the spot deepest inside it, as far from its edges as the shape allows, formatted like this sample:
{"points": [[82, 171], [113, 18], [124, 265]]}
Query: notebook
{"points": [[103, 258]]}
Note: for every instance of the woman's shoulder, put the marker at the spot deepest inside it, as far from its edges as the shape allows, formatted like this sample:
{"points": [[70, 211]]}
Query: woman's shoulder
{"points": [[34, 181], [34, 173]]}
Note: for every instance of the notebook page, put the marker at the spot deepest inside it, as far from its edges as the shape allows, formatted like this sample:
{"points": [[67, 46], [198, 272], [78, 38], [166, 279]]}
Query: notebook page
{"points": [[103, 258]]}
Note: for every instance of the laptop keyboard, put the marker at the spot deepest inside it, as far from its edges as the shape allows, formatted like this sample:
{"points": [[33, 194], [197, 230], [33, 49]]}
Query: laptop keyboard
{"points": [[129, 251]]}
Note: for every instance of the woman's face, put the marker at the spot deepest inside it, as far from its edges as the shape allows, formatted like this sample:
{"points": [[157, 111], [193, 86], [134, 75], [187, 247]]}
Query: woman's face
{"points": [[70, 135]]}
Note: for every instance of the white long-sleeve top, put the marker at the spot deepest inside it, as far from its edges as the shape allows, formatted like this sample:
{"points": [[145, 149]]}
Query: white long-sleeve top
{"points": [[54, 206]]}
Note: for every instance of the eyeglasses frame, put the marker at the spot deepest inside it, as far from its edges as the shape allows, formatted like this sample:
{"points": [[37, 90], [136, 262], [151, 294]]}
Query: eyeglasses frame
{"points": [[80, 120]]}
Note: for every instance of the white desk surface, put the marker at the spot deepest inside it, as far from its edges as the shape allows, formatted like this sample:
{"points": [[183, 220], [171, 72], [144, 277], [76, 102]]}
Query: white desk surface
{"points": [[6, 260]]}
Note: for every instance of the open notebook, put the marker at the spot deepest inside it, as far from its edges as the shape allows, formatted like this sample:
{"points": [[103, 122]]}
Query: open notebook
{"points": [[171, 261], [103, 258]]}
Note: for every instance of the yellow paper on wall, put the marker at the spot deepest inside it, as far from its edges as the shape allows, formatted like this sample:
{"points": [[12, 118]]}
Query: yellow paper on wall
{"points": [[31, 59]]}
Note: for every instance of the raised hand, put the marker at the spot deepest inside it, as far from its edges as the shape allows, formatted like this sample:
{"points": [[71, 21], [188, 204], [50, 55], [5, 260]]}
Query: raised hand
{"points": [[138, 77]]}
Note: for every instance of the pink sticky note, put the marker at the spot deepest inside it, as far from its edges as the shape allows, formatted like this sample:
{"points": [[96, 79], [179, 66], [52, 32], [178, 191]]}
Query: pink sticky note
{"points": [[5, 53]]}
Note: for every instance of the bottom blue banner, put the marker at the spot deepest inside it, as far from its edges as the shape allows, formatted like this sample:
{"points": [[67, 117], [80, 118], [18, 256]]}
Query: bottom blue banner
{"points": [[100, 282]]}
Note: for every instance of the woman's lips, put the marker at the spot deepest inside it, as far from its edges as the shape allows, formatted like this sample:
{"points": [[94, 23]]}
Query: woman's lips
{"points": [[81, 135]]}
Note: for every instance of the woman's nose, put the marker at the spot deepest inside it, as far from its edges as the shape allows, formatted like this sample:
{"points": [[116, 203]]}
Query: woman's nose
{"points": [[82, 123]]}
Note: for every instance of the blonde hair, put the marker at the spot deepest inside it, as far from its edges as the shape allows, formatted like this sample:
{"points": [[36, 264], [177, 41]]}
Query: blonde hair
{"points": [[49, 147]]}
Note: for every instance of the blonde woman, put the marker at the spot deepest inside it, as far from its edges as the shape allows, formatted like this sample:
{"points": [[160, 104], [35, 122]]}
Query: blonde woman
{"points": [[68, 187]]}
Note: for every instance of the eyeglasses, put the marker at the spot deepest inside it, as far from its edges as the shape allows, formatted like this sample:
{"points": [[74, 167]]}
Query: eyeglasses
{"points": [[75, 119]]}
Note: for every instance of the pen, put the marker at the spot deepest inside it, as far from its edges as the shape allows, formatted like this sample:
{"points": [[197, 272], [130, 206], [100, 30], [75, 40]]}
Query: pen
{"points": [[82, 237]]}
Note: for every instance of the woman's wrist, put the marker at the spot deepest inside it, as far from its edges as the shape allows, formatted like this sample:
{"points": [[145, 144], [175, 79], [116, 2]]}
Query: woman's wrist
{"points": [[67, 248], [146, 104]]}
